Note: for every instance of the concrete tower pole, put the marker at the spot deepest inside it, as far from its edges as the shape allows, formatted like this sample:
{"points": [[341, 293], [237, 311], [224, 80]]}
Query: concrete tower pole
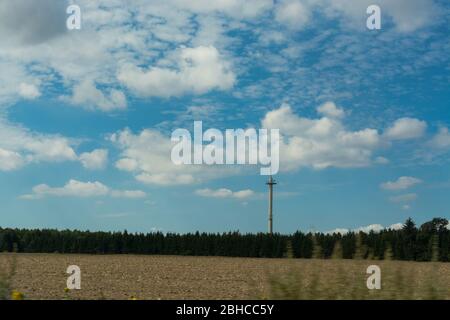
{"points": [[271, 183]]}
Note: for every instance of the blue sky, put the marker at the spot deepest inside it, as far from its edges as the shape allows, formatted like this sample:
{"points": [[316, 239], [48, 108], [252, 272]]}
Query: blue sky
{"points": [[86, 115]]}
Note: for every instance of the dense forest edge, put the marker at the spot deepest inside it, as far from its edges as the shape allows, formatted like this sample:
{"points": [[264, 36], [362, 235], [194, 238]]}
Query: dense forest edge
{"points": [[429, 242]]}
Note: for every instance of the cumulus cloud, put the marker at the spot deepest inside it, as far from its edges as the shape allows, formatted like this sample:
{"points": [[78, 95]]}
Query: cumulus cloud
{"points": [[147, 155], [225, 193], [10, 160], [29, 91], [197, 70], [406, 128], [396, 226], [441, 140], [20, 146], [75, 188], [329, 109], [401, 183], [295, 14], [323, 142], [338, 230], [87, 95], [371, 227], [94, 160], [367, 229], [318, 143]]}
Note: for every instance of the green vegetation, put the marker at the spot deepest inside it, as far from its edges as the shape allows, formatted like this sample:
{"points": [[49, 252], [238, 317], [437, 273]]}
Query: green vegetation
{"points": [[430, 242]]}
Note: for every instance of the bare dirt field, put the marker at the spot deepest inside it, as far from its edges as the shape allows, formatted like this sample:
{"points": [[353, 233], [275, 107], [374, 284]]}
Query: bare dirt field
{"points": [[43, 276]]}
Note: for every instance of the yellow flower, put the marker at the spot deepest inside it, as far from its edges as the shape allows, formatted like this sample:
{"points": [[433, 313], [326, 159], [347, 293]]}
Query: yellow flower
{"points": [[16, 295], [66, 290], [133, 298]]}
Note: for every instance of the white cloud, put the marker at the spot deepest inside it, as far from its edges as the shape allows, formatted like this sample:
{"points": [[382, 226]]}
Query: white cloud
{"points": [[329, 109], [404, 198], [396, 226], [367, 229], [148, 156], [87, 95], [127, 164], [338, 230], [10, 160], [20, 146], [401, 183], [441, 140], [29, 91], [50, 149], [243, 194], [94, 160], [323, 142], [318, 143], [197, 70], [225, 193], [371, 227], [75, 188], [295, 14], [406, 128]]}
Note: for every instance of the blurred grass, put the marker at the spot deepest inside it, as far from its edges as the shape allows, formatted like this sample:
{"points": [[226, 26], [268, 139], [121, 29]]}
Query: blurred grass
{"points": [[7, 272], [346, 280], [339, 279]]}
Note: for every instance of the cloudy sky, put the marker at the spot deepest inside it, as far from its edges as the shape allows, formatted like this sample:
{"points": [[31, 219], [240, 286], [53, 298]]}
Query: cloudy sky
{"points": [[86, 115]]}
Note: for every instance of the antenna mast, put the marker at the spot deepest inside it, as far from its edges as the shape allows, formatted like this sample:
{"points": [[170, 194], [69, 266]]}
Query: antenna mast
{"points": [[271, 183]]}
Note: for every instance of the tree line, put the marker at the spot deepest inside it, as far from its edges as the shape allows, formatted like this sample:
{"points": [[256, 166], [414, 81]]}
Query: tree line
{"points": [[429, 242]]}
